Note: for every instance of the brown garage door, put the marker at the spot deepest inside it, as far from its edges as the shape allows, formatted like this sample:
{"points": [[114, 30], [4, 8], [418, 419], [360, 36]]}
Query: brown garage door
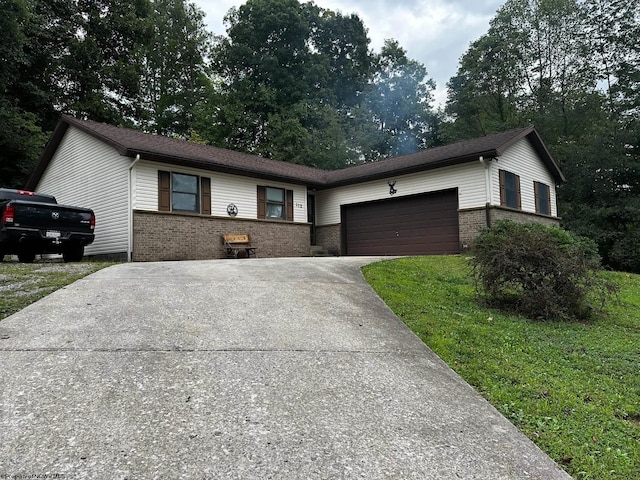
{"points": [[417, 225]]}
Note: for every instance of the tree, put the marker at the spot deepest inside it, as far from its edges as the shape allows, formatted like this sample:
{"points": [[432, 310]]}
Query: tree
{"points": [[174, 79], [400, 101], [100, 75], [611, 30], [299, 83], [532, 66], [276, 82], [484, 94], [43, 37], [20, 136]]}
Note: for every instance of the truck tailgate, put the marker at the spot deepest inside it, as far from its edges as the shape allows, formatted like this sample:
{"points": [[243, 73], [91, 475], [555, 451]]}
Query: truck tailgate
{"points": [[47, 216]]}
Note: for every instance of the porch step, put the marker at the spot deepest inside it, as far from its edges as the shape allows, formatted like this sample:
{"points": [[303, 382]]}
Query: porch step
{"points": [[318, 251]]}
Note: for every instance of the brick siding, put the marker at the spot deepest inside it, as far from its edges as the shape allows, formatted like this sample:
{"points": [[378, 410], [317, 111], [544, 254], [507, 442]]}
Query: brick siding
{"points": [[170, 236], [329, 237], [472, 220]]}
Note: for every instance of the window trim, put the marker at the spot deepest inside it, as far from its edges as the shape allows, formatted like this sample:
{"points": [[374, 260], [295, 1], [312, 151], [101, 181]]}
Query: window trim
{"points": [[287, 207], [503, 190], [282, 204], [536, 186], [165, 193]]}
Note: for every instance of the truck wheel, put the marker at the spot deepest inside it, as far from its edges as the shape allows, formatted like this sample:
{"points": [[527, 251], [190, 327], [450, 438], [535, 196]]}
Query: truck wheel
{"points": [[73, 254], [26, 256]]}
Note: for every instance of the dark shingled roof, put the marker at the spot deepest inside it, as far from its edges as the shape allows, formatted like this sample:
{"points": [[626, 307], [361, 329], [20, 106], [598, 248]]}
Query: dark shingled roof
{"points": [[490, 146], [130, 143]]}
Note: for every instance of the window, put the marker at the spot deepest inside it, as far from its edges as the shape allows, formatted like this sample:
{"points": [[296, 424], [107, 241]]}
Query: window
{"points": [[180, 192], [509, 190], [184, 193], [543, 198], [275, 203]]}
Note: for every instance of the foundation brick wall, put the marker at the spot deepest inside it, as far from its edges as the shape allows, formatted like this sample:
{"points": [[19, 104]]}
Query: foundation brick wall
{"points": [[170, 236], [522, 217], [472, 220], [329, 237]]}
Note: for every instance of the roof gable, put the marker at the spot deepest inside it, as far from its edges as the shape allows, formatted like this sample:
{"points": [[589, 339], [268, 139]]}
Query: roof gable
{"points": [[158, 148]]}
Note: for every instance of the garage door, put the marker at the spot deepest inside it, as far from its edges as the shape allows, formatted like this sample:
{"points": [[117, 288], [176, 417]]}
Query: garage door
{"points": [[417, 225]]}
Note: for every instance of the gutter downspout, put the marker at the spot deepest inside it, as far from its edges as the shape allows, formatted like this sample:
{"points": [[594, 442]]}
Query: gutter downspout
{"points": [[130, 209], [488, 190]]}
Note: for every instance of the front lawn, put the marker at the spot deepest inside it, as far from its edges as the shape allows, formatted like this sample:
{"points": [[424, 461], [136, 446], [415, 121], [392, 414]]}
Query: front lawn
{"points": [[573, 388]]}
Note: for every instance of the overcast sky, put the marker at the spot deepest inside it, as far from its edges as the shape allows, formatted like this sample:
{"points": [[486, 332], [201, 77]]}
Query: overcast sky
{"points": [[434, 32]]}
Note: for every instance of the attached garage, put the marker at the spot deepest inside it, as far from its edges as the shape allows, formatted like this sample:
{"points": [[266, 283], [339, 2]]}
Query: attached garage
{"points": [[425, 224]]}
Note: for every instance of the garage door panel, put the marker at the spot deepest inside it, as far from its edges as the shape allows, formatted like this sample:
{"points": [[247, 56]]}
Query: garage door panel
{"points": [[420, 225]]}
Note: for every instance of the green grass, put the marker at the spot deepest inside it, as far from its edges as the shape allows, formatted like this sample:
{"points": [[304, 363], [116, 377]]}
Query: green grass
{"points": [[573, 388], [22, 284]]}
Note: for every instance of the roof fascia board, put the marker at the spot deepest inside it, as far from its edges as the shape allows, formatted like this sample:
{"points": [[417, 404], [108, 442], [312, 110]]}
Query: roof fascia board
{"points": [[548, 160]]}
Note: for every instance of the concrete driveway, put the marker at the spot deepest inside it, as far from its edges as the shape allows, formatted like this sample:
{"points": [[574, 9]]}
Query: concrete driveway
{"points": [[259, 368]]}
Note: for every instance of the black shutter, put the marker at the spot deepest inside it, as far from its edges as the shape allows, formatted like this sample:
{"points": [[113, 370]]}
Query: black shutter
{"points": [[205, 198], [290, 205], [549, 200], [262, 202], [164, 191]]}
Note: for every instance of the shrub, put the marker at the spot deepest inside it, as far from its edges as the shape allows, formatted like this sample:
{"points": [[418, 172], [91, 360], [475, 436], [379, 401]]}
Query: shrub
{"points": [[539, 271]]}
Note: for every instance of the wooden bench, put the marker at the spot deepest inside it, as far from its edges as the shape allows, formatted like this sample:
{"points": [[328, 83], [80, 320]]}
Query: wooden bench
{"points": [[234, 244]]}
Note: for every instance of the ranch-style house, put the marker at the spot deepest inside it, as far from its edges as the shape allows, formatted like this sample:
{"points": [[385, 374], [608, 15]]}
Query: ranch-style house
{"points": [[158, 198]]}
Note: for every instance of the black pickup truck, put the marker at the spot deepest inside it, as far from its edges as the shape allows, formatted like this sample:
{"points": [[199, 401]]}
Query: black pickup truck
{"points": [[34, 223]]}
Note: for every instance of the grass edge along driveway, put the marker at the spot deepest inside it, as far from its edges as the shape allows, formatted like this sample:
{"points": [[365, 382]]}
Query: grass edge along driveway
{"points": [[572, 388], [22, 284]]}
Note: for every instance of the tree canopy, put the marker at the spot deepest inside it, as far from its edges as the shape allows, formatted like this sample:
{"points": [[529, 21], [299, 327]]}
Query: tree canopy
{"points": [[300, 83], [290, 80]]}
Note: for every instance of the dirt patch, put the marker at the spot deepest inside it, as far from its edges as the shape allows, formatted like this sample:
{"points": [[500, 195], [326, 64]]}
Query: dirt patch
{"points": [[73, 268]]}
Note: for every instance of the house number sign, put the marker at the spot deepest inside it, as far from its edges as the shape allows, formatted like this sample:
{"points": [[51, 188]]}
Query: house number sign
{"points": [[232, 210]]}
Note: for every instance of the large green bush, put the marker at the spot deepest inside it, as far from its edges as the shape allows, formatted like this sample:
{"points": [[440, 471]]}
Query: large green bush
{"points": [[539, 271]]}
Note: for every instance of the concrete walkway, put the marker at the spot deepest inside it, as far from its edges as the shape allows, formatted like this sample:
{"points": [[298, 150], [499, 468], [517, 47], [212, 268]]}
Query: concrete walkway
{"points": [[239, 369]]}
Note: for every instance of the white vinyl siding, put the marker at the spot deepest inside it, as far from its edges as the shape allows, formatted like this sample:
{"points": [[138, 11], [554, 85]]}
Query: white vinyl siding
{"points": [[86, 172], [225, 189], [522, 160], [469, 178]]}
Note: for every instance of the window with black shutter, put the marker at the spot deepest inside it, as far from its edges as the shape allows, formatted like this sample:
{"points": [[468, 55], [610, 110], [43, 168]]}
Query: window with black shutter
{"points": [[509, 190], [180, 192], [275, 203], [543, 198]]}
